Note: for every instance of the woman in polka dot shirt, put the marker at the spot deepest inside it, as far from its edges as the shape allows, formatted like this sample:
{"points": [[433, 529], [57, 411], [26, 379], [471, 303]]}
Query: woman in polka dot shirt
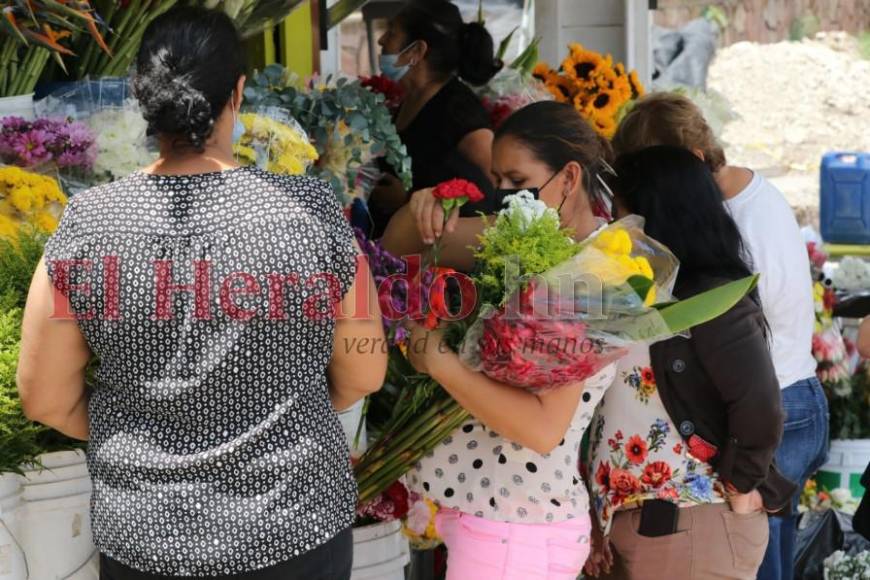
{"points": [[208, 293], [512, 505]]}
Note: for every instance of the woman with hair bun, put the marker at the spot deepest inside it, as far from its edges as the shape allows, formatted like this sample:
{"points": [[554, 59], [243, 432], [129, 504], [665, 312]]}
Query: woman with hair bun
{"points": [[434, 56], [207, 292]]}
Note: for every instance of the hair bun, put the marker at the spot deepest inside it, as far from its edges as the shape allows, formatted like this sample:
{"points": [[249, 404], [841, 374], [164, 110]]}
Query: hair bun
{"points": [[478, 64], [172, 106]]}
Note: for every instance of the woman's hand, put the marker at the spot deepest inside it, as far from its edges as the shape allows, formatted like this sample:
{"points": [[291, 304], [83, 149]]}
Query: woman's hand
{"points": [[425, 347], [429, 216], [746, 503], [600, 556]]}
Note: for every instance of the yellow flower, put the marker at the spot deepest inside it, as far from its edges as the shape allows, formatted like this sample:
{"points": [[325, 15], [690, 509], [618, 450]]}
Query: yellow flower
{"points": [[46, 222], [581, 64], [22, 198], [8, 228], [613, 242], [637, 88], [562, 88], [542, 72]]}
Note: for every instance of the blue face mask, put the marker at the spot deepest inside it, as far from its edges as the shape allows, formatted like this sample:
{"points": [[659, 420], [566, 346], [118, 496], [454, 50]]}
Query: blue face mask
{"points": [[389, 68]]}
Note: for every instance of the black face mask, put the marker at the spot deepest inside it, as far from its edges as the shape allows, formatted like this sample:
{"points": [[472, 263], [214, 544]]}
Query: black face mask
{"points": [[500, 194]]}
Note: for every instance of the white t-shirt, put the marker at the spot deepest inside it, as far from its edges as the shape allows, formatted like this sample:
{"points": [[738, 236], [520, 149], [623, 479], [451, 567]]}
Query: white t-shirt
{"points": [[778, 253]]}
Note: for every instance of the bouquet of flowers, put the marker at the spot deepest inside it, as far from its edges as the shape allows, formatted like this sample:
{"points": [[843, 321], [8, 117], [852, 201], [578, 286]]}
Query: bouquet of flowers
{"points": [[28, 198], [597, 88], [392, 504], [815, 499], [348, 124], [853, 274], [274, 141], [66, 144], [33, 32], [390, 89], [526, 283], [839, 566], [122, 145]]}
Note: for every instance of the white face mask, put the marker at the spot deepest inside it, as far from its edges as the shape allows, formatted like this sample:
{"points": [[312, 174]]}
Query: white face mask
{"points": [[389, 68]]}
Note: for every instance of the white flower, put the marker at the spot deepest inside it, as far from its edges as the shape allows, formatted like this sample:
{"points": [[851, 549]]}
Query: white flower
{"points": [[121, 141], [524, 207], [841, 496], [418, 517], [852, 274]]}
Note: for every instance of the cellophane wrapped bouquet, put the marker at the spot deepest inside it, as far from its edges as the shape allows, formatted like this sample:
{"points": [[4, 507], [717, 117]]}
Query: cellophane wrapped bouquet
{"points": [[275, 141], [549, 312]]}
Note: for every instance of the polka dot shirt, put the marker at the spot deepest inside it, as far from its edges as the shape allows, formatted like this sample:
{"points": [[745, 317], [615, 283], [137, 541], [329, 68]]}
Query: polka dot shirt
{"points": [[479, 472], [214, 448]]}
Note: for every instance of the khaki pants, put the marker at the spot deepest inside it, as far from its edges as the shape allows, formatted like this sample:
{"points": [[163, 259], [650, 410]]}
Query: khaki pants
{"points": [[711, 542]]}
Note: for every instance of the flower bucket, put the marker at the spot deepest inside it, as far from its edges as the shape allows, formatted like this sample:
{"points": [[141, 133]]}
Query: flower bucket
{"points": [[17, 106], [12, 562], [380, 552], [847, 460], [55, 519], [350, 420]]}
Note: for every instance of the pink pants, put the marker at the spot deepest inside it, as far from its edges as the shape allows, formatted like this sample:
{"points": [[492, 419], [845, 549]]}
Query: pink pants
{"points": [[479, 549]]}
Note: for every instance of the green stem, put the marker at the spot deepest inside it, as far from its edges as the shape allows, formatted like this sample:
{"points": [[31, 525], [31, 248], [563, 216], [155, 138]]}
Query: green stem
{"points": [[121, 63], [10, 45], [400, 465], [132, 9], [403, 457], [401, 435]]}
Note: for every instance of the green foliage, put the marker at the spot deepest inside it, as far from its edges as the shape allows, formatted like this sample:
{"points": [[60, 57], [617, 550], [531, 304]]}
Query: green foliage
{"points": [[18, 262], [320, 110], [850, 414], [807, 25], [534, 249], [18, 436]]}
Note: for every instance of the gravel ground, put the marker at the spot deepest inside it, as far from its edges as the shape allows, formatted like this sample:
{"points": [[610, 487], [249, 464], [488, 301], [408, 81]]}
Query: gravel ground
{"points": [[795, 102]]}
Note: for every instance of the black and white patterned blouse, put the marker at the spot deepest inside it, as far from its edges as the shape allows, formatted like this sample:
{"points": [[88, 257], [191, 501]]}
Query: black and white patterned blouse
{"points": [[214, 448]]}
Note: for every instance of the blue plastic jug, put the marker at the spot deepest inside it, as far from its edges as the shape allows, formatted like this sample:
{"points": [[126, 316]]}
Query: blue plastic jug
{"points": [[845, 198]]}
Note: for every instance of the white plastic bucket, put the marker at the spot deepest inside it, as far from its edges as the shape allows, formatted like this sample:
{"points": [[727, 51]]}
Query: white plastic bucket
{"points": [[12, 562], [847, 460], [380, 552], [17, 106], [350, 422], [55, 519]]}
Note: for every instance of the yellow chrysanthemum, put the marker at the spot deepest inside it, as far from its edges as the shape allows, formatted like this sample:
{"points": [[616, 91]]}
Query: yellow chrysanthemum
{"points": [[8, 228], [21, 197], [45, 222]]}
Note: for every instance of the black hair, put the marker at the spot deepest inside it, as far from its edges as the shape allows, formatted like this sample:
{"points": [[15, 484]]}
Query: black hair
{"points": [[186, 70], [466, 49], [557, 135], [678, 196]]}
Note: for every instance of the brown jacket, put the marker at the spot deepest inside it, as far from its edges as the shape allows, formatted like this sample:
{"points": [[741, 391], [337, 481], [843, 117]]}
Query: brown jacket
{"points": [[720, 389]]}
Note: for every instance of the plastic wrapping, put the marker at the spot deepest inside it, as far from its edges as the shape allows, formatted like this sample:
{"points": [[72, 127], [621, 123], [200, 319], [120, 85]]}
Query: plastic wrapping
{"points": [[275, 141], [571, 322]]}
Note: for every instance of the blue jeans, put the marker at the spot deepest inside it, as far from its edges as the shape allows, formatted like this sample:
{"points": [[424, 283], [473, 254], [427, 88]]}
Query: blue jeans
{"points": [[803, 450]]}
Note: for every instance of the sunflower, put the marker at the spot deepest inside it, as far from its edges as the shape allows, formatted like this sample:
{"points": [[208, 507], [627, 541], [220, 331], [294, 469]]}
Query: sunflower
{"points": [[637, 89], [563, 88], [604, 104], [581, 64], [542, 72], [604, 126]]}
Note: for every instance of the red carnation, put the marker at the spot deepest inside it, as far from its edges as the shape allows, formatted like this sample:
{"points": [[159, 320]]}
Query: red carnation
{"points": [[456, 189], [656, 474]]}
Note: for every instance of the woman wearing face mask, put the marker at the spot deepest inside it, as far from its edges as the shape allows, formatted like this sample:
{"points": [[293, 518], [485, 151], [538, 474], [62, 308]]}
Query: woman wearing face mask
{"points": [[430, 51], [213, 442], [512, 503]]}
